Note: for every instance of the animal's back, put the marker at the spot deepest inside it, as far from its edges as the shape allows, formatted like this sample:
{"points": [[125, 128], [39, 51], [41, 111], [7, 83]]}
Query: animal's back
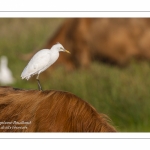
{"points": [[49, 111]]}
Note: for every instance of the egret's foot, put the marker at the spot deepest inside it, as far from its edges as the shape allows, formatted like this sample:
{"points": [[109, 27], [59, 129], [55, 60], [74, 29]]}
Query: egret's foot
{"points": [[39, 85]]}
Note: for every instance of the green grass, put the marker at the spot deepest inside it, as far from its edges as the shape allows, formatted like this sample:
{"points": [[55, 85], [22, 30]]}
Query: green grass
{"points": [[121, 93]]}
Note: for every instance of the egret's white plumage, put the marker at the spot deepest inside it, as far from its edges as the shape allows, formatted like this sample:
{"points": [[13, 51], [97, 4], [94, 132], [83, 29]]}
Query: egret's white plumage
{"points": [[42, 60], [39, 62], [6, 76]]}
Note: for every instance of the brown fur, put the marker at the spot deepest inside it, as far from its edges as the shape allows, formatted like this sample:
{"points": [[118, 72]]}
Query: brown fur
{"points": [[48, 111]]}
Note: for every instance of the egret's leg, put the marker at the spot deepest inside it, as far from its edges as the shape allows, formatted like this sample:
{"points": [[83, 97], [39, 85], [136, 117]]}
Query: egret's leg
{"points": [[38, 81]]}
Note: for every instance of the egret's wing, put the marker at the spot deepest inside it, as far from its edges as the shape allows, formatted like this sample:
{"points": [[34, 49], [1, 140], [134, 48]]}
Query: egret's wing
{"points": [[39, 62]]}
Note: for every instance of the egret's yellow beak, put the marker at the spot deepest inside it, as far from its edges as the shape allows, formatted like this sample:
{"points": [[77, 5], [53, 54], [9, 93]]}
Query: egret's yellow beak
{"points": [[67, 51]]}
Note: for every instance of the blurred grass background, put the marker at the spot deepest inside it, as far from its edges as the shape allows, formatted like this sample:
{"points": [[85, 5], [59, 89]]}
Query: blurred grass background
{"points": [[121, 93]]}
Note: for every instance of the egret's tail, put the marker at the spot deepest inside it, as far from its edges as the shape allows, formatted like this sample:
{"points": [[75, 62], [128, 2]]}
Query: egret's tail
{"points": [[25, 76]]}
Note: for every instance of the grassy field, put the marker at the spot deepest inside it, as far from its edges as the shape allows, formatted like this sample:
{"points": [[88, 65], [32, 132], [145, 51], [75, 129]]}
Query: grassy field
{"points": [[121, 93]]}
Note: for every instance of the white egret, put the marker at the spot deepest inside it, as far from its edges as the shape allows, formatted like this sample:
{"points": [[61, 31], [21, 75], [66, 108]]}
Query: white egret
{"points": [[6, 76], [41, 61]]}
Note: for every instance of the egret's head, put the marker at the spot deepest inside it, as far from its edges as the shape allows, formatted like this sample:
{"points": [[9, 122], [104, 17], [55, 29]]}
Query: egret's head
{"points": [[59, 47], [4, 60]]}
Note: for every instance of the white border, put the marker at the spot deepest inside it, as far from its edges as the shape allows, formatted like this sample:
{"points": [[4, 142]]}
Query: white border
{"points": [[74, 14], [74, 141], [78, 8], [78, 5], [57, 135]]}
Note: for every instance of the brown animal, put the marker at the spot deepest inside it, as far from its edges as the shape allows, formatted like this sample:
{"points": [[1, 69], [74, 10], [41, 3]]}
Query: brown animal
{"points": [[111, 40], [48, 111]]}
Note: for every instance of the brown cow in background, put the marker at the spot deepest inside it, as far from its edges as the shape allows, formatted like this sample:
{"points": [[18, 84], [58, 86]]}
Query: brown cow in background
{"points": [[48, 111], [112, 40]]}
